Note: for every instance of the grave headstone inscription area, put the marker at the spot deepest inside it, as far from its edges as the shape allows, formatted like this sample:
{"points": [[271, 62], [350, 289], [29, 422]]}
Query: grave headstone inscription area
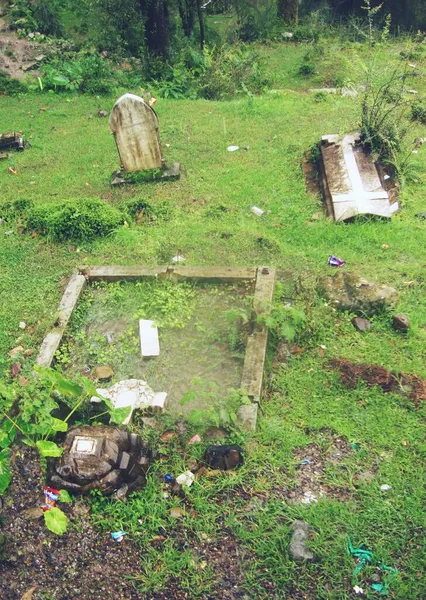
{"points": [[188, 335], [135, 127]]}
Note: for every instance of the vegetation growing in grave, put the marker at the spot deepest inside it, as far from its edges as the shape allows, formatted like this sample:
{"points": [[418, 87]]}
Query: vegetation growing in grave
{"points": [[81, 220]]}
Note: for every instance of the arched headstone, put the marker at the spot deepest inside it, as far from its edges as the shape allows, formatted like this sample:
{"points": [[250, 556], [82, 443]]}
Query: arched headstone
{"points": [[135, 127]]}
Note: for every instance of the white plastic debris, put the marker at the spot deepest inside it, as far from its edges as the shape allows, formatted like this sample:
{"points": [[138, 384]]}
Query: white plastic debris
{"points": [[385, 487], [148, 335], [288, 35], [412, 92], [309, 498], [178, 259], [232, 148], [134, 393], [386, 177], [257, 211], [22, 325], [186, 479], [358, 590]]}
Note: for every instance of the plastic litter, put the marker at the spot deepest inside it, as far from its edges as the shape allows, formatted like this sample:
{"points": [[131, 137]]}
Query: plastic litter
{"points": [[385, 487], [362, 555], [307, 461], [257, 211], [358, 590], [22, 325], [333, 261], [118, 536], [168, 478], [195, 439], [178, 259], [232, 148], [186, 479], [51, 496]]}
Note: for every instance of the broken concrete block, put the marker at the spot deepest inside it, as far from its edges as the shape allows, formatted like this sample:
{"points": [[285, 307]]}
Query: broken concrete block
{"points": [[148, 334], [297, 548], [247, 416]]}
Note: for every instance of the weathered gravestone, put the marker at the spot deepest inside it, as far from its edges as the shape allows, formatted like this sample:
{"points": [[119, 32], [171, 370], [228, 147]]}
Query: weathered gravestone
{"points": [[350, 180], [135, 127]]}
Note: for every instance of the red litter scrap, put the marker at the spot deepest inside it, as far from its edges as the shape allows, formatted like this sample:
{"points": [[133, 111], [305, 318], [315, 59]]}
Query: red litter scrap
{"points": [[51, 496]]}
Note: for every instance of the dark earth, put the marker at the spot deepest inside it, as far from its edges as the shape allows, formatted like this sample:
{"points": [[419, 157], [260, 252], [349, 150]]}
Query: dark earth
{"points": [[85, 563]]}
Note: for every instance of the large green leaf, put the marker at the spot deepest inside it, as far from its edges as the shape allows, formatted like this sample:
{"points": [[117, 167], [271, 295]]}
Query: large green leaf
{"points": [[119, 415], [59, 425], [56, 520], [5, 472], [48, 448], [61, 384], [65, 496]]}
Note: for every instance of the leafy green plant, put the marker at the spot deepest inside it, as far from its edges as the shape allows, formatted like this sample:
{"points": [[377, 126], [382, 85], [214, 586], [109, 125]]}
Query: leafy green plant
{"points": [[56, 520], [29, 414], [171, 305], [81, 220], [220, 411], [418, 112], [384, 108], [11, 87]]}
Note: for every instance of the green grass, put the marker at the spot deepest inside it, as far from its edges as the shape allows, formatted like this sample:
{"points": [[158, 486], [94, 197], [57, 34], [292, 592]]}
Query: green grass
{"points": [[73, 155]]}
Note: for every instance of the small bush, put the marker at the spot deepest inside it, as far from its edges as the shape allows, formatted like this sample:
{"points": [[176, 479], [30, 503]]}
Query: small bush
{"points": [[418, 112], [86, 73], [10, 86], [307, 70], [83, 220], [12, 210]]}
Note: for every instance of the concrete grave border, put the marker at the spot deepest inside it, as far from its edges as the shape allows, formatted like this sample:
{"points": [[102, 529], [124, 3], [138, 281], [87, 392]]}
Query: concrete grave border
{"points": [[254, 362]]}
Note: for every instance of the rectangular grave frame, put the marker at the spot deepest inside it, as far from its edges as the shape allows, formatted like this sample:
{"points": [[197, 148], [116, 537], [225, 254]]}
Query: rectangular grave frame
{"points": [[262, 277]]}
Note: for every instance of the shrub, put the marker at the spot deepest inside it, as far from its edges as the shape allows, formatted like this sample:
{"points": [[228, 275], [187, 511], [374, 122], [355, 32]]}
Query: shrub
{"points": [[86, 73], [230, 70], [82, 220], [10, 86], [418, 112]]}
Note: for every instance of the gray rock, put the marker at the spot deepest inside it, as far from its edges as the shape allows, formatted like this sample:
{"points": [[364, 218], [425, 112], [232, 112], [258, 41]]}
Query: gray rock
{"points": [[401, 322], [361, 324], [297, 548], [347, 291], [247, 416]]}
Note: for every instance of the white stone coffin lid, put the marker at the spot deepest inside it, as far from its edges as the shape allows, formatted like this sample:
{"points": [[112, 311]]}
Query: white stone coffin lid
{"points": [[352, 179], [135, 127]]}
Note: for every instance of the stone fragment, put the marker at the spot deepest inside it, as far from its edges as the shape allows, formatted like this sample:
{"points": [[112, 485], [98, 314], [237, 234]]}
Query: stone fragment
{"points": [[148, 334], [103, 373], [361, 324], [135, 127], [297, 548], [247, 416], [347, 291], [401, 322]]}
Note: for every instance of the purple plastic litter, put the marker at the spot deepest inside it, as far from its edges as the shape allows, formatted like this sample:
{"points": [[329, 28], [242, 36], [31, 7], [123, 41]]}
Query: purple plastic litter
{"points": [[333, 261]]}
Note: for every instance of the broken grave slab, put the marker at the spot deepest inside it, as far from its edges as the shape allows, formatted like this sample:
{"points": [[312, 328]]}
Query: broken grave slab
{"points": [[350, 180]]}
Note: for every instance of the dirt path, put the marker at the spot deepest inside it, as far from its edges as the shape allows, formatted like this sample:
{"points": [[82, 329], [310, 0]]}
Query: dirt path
{"points": [[17, 55]]}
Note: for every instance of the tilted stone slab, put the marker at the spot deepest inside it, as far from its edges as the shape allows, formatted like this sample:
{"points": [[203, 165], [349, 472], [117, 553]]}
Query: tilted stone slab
{"points": [[69, 299], [350, 180]]}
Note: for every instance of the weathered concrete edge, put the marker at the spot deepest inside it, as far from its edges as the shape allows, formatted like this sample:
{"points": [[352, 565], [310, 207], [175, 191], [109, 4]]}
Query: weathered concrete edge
{"points": [[207, 274], [254, 361], [328, 200], [67, 304]]}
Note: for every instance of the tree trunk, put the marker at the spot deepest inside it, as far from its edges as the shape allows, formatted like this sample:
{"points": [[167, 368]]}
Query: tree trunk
{"points": [[156, 32], [201, 23], [186, 12], [288, 11]]}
